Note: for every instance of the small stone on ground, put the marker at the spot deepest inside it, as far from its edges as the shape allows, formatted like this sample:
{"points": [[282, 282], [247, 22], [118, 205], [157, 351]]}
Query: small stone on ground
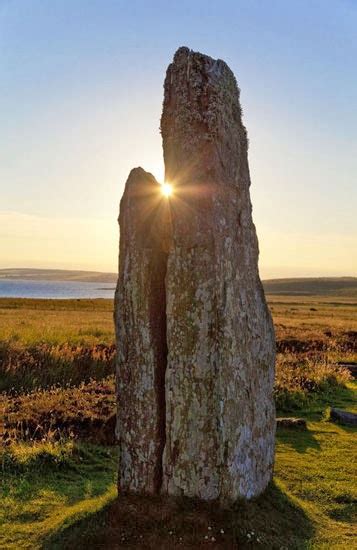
{"points": [[343, 417]]}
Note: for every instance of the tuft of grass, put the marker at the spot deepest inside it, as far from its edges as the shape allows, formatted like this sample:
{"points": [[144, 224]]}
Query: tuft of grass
{"points": [[302, 378]]}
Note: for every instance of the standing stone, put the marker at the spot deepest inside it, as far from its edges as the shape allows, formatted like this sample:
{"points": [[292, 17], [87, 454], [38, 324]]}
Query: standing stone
{"points": [[195, 339], [220, 415], [140, 321]]}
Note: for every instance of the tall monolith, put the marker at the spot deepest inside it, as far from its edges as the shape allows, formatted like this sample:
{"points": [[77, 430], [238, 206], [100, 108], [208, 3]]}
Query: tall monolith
{"points": [[220, 415], [195, 339]]}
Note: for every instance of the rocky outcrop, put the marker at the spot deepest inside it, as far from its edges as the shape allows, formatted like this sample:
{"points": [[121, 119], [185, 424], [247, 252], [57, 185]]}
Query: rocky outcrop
{"points": [[195, 272]]}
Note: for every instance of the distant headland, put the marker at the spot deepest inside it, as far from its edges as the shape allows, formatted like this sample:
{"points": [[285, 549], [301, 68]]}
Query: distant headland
{"points": [[57, 275], [303, 286]]}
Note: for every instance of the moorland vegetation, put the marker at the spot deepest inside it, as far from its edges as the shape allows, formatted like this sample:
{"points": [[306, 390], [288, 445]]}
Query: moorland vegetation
{"points": [[59, 458]]}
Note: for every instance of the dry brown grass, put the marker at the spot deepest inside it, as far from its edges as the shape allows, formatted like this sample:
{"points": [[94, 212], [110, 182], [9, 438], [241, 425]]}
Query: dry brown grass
{"points": [[55, 322], [23, 368], [311, 336], [86, 412], [301, 378], [316, 322]]}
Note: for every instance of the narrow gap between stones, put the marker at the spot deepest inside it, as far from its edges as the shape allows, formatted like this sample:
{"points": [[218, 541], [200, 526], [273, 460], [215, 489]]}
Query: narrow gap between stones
{"points": [[160, 322]]}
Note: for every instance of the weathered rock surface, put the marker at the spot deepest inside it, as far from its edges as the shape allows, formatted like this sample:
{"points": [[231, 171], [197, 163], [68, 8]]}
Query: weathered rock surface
{"points": [[343, 417], [196, 347], [220, 415], [140, 321]]}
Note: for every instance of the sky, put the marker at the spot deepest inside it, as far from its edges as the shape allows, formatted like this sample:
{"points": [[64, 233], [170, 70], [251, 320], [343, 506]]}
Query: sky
{"points": [[81, 90]]}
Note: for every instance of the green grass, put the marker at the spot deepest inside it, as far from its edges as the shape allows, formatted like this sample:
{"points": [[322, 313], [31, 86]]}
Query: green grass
{"points": [[64, 496], [46, 487], [46, 342], [318, 468]]}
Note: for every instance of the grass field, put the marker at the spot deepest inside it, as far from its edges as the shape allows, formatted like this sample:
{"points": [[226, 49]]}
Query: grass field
{"points": [[58, 486]]}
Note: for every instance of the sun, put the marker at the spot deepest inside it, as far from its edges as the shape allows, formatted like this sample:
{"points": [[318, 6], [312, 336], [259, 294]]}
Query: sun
{"points": [[166, 189]]}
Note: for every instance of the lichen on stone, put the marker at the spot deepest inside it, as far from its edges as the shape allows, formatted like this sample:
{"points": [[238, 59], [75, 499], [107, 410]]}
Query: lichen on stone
{"points": [[196, 347]]}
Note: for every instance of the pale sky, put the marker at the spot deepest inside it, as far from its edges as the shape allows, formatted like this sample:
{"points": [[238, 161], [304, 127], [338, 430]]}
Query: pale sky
{"points": [[81, 95]]}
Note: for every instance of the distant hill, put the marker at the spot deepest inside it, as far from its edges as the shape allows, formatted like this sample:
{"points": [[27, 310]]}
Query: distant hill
{"points": [[312, 286], [307, 286], [58, 275]]}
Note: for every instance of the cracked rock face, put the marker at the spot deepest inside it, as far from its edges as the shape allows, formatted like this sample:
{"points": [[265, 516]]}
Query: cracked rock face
{"points": [[140, 322], [195, 337]]}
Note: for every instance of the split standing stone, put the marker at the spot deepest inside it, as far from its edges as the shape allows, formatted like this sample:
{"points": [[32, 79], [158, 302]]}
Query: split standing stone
{"points": [[196, 347]]}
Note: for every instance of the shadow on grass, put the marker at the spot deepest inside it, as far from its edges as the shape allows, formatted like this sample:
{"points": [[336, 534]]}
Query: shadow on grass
{"points": [[344, 398], [271, 521], [300, 440], [345, 511], [86, 472]]}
